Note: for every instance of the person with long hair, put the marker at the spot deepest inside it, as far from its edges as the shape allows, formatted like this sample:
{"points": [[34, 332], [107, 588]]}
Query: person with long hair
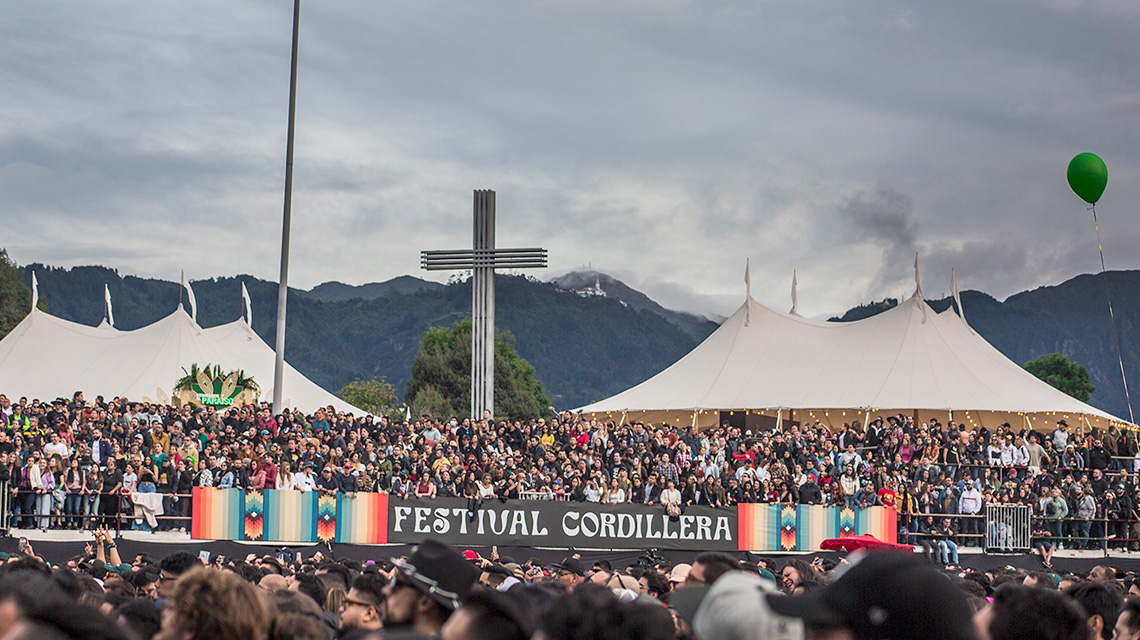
{"points": [[256, 476], [43, 493], [795, 574], [73, 501], [285, 480]]}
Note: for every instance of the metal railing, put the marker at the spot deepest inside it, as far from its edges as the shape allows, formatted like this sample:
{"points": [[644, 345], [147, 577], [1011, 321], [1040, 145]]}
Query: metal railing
{"points": [[542, 495], [1008, 528], [21, 509]]}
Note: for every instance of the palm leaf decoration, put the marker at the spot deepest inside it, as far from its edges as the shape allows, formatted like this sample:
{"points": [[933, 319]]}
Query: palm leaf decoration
{"points": [[229, 385], [212, 380]]}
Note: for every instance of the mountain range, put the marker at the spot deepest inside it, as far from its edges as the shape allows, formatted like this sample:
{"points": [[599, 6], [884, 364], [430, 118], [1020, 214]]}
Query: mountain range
{"points": [[587, 334], [583, 347]]}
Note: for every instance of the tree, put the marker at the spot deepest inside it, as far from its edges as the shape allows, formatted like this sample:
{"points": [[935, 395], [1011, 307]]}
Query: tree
{"points": [[440, 385], [15, 296], [375, 396], [1062, 374]]}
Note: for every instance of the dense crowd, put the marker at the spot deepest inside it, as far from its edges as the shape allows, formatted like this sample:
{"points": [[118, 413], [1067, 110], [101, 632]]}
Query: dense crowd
{"points": [[436, 591], [73, 463]]}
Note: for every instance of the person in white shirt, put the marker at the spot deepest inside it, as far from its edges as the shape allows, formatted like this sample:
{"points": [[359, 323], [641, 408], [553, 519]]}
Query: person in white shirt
{"points": [[671, 496], [303, 480], [285, 476], [970, 503], [1007, 454], [993, 452], [745, 472], [1020, 457], [592, 492], [616, 494], [130, 478], [57, 448]]}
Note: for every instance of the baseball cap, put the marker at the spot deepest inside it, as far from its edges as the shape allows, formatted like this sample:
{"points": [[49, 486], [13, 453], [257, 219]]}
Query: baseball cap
{"points": [[885, 594], [680, 573], [735, 609], [573, 565]]}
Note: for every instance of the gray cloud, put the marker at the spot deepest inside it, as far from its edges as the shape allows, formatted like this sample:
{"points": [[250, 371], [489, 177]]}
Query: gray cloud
{"points": [[664, 142]]}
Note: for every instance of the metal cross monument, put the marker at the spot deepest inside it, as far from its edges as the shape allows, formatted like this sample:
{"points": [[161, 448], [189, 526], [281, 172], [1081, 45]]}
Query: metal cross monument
{"points": [[482, 259]]}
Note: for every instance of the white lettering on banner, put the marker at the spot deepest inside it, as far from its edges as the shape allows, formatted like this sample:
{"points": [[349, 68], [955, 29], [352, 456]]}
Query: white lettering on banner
{"points": [[722, 526], [441, 525], [625, 525], [570, 531], [502, 528], [643, 526], [518, 523], [462, 513], [649, 533], [592, 519], [535, 529], [401, 515], [686, 522], [527, 523], [607, 529]]}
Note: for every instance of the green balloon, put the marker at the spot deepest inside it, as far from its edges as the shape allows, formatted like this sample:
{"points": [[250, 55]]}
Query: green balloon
{"points": [[1088, 176]]}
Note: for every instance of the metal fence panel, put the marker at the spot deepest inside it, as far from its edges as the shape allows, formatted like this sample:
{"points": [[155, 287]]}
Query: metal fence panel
{"points": [[1008, 528]]}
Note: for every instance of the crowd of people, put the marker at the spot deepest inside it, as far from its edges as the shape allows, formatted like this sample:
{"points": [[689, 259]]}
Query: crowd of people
{"points": [[437, 591], [74, 463]]}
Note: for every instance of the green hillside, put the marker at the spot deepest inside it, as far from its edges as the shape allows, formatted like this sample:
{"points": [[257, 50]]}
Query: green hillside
{"points": [[583, 349]]}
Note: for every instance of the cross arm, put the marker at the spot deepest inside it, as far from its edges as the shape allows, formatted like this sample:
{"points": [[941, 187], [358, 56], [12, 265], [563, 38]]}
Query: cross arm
{"points": [[458, 259]]}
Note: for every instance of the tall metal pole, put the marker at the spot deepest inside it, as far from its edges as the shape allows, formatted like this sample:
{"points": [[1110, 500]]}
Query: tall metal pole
{"points": [[283, 282]]}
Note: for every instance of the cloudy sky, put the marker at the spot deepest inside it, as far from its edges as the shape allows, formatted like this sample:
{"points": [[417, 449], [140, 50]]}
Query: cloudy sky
{"points": [[662, 141]]}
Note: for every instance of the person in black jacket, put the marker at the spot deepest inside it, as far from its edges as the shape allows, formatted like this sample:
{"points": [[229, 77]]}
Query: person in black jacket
{"points": [[1098, 456], [165, 484], [655, 485], [346, 482], [184, 488], [928, 538], [810, 493]]}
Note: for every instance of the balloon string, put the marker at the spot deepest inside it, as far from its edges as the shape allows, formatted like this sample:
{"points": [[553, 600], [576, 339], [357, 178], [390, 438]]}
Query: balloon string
{"points": [[1112, 317]]}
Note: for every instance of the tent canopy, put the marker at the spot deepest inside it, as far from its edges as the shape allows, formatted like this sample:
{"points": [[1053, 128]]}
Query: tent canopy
{"points": [[908, 359], [47, 357]]}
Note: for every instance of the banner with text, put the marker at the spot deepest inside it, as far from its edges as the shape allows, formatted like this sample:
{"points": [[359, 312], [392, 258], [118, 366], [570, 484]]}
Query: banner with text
{"points": [[369, 518], [542, 523]]}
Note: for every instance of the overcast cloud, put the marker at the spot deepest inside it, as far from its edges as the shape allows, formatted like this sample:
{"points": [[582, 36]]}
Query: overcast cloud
{"points": [[662, 141]]}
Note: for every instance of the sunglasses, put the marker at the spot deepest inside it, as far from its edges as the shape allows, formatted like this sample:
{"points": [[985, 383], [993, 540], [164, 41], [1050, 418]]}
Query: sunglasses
{"points": [[349, 602]]}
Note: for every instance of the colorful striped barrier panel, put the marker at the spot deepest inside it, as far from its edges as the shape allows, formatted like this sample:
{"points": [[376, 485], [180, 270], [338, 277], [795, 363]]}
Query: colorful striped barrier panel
{"points": [[376, 518]]}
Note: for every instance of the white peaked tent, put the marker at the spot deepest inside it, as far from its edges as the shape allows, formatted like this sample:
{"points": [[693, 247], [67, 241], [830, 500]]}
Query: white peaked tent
{"points": [[47, 357], [908, 359], [239, 341]]}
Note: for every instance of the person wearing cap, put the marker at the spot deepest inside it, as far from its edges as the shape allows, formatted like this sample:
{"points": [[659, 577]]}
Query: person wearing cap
{"points": [[327, 484], [679, 575], [570, 571], [735, 607], [882, 595], [303, 480], [425, 590], [1061, 436]]}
